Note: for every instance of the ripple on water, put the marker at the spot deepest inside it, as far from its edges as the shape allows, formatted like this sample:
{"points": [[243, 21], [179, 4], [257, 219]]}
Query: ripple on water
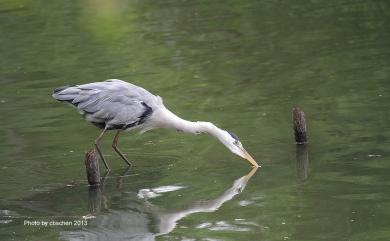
{"points": [[7, 215], [244, 203], [225, 226], [5, 221], [156, 192]]}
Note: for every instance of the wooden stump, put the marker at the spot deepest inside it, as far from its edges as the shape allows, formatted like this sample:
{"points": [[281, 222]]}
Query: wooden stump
{"points": [[299, 123], [92, 167], [300, 134]]}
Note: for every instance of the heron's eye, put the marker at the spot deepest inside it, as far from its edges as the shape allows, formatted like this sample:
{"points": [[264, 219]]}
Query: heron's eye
{"points": [[236, 142]]}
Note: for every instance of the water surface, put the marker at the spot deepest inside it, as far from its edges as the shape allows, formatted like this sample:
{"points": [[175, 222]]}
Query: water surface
{"points": [[240, 64]]}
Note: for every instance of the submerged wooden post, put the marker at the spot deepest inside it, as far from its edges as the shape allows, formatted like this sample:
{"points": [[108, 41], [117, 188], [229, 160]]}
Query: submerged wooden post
{"points": [[94, 198], [301, 152], [302, 161], [92, 167], [299, 122]]}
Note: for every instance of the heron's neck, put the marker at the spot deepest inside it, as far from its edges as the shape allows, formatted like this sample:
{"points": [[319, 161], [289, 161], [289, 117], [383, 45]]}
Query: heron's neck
{"points": [[170, 120]]}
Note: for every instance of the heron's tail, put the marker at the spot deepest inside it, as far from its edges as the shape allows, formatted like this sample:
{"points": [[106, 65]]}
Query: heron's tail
{"points": [[61, 88], [65, 93]]}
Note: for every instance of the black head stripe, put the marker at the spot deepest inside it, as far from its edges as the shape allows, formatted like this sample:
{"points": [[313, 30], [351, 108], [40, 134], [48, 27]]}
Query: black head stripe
{"points": [[234, 136]]}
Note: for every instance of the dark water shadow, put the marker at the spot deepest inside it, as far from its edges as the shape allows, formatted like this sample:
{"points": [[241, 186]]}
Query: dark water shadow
{"points": [[141, 219], [95, 196], [116, 210], [302, 161]]}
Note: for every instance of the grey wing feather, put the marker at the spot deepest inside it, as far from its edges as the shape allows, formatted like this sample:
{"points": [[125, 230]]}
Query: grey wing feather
{"points": [[115, 103]]}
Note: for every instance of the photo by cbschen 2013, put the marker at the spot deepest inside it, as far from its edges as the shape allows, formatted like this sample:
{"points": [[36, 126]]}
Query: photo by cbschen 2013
{"points": [[127, 120]]}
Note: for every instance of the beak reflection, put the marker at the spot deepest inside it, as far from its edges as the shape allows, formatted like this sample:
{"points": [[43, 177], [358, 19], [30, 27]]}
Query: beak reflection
{"points": [[250, 159]]}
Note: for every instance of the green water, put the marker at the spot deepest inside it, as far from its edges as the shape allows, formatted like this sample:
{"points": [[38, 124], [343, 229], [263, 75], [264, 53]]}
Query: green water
{"points": [[240, 64]]}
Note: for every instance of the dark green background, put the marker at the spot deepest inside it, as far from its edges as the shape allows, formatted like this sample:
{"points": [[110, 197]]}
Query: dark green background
{"points": [[241, 64]]}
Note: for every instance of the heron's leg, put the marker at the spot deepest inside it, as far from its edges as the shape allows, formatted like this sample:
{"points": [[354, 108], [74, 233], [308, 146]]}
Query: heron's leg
{"points": [[97, 146], [115, 146]]}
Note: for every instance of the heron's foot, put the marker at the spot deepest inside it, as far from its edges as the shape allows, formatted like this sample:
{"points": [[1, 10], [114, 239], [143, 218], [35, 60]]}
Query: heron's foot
{"points": [[106, 166], [121, 155], [125, 171], [105, 163], [119, 182]]}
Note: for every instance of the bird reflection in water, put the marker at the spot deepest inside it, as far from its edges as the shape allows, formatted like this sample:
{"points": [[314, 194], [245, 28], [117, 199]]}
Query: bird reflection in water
{"points": [[141, 220]]}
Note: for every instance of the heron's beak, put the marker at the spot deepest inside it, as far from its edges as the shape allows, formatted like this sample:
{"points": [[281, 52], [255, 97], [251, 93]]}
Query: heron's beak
{"points": [[250, 159]]}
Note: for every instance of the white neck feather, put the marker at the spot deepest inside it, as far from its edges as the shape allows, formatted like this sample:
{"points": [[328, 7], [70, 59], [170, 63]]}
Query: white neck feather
{"points": [[166, 119]]}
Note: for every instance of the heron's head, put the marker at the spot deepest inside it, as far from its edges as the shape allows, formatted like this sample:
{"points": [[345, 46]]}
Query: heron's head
{"points": [[232, 142]]}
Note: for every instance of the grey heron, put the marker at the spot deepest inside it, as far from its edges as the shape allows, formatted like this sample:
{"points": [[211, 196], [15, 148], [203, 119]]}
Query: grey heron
{"points": [[118, 105]]}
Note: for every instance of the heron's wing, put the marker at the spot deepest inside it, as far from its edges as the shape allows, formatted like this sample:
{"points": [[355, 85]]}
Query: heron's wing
{"points": [[116, 103]]}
